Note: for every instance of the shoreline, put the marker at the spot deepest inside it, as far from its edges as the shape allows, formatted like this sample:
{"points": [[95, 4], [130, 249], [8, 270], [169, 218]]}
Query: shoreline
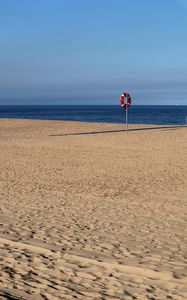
{"points": [[94, 122]]}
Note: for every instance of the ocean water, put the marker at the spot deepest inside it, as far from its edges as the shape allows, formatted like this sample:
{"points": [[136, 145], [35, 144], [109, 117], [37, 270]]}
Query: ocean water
{"points": [[142, 114]]}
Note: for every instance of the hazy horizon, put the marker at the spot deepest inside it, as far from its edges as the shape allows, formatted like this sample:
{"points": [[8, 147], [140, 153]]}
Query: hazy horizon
{"points": [[59, 104]]}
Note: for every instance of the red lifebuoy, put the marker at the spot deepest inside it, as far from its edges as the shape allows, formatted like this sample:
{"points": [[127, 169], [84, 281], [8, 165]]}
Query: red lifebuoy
{"points": [[128, 103]]}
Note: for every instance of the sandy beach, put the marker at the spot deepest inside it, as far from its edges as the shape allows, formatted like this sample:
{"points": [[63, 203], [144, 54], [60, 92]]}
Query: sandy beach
{"points": [[88, 211]]}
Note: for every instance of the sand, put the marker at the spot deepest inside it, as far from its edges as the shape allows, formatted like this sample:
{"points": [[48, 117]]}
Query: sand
{"points": [[92, 216]]}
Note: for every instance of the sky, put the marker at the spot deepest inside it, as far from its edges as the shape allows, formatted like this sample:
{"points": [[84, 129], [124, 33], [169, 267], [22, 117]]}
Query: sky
{"points": [[90, 51]]}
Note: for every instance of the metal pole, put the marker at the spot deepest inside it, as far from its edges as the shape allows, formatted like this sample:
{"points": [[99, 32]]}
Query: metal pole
{"points": [[127, 118]]}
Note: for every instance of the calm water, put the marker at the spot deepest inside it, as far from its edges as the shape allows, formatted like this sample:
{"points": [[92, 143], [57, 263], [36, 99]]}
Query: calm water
{"points": [[97, 113]]}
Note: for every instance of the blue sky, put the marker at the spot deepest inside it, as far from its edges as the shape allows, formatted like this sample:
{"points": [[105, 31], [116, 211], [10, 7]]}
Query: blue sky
{"points": [[89, 51]]}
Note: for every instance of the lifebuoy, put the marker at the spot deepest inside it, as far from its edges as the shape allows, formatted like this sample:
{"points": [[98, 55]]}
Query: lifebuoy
{"points": [[128, 103]]}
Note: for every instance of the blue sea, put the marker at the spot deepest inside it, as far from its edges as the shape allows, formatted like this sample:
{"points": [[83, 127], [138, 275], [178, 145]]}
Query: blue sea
{"points": [[144, 114]]}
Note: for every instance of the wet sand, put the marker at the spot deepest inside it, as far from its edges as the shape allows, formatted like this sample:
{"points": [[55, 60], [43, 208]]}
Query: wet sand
{"points": [[92, 216]]}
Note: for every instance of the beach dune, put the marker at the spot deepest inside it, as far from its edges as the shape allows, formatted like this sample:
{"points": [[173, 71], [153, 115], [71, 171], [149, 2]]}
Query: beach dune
{"points": [[88, 211]]}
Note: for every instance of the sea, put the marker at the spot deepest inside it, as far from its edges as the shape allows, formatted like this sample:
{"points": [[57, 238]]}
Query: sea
{"points": [[137, 114]]}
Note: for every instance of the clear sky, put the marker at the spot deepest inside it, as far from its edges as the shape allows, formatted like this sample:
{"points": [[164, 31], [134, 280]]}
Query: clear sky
{"points": [[89, 51]]}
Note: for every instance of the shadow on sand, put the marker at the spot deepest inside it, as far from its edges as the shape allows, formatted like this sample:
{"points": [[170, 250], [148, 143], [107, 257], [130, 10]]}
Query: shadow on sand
{"points": [[121, 130], [9, 296]]}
